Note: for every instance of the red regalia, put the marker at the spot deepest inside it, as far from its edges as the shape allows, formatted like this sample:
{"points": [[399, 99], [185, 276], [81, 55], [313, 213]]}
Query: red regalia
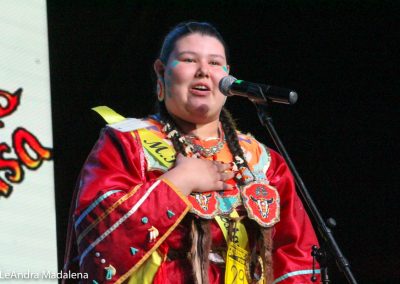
{"points": [[123, 214]]}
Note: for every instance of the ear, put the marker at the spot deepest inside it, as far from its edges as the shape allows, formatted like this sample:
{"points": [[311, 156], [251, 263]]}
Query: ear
{"points": [[159, 68]]}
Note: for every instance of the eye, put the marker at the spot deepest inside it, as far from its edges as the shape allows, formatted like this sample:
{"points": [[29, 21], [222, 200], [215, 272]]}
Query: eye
{"points": [[189, 60], [214, 62]]}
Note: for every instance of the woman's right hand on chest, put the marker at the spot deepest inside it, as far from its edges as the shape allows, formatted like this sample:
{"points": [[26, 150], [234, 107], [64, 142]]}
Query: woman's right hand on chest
{"points": [[197, 175]]}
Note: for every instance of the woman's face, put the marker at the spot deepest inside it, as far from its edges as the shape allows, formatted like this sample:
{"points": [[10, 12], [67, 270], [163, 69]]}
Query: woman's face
{"points": [[191, 79]]}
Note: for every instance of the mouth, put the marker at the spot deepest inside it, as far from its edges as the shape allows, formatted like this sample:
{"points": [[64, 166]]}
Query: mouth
{"points": [[200, 89]]}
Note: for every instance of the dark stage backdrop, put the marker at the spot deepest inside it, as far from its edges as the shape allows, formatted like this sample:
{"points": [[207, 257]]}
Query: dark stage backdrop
{"points": [[339, 56]]}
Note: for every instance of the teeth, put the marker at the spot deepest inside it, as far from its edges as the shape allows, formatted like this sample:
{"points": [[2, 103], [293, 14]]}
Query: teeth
{"points": [[201, 87]]}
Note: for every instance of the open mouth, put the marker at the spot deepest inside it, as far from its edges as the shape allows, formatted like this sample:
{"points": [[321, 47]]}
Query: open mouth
{"points": [[201, 88]]}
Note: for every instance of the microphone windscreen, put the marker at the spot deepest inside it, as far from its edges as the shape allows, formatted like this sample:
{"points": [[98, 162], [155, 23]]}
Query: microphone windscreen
{"points": [[225, 83]]}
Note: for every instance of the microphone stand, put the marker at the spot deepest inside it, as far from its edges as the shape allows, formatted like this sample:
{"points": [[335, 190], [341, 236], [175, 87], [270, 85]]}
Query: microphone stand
{"points": [[325, 231]]}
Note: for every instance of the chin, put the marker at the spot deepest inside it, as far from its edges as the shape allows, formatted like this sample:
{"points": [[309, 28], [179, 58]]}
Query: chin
{"points": [[204, 111]]}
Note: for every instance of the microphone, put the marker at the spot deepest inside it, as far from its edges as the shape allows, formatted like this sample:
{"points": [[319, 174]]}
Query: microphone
{"points": [[257, 93]]}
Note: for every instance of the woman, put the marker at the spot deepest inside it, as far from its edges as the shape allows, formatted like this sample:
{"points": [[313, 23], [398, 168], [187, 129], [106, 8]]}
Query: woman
{"points": [[224, 210]]}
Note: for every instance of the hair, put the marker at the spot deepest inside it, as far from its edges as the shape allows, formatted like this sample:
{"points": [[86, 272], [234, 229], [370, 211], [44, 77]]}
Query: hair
{"points": [[200, 228], [185, 28]]}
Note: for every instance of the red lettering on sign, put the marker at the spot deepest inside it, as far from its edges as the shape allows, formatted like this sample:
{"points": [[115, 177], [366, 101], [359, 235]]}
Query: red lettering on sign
{"points": [[12, 102], [27, 147], [23, 138], [12, 167]]}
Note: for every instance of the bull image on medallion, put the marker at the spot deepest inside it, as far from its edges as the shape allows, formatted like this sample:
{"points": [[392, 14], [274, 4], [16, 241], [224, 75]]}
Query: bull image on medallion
{"points": [[203, 199], [262, 205]]}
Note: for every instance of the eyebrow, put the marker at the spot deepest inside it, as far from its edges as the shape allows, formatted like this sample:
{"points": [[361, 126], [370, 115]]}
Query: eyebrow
{"points": [[194, 53]]}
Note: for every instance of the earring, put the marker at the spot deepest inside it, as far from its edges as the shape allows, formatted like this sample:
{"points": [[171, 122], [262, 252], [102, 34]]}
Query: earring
{"points": [[160, 91]]}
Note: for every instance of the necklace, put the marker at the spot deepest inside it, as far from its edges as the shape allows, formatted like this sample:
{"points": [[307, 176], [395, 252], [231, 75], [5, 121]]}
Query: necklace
{"points": [[191, 149], [206, 151]]}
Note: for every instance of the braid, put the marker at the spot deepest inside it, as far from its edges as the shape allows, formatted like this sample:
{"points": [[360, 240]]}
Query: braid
{"points": [[166, 118], [229, 127]]}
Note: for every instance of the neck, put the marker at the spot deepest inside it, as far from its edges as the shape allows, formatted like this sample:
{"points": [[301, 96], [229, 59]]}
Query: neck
{"points": [[202, 131]]}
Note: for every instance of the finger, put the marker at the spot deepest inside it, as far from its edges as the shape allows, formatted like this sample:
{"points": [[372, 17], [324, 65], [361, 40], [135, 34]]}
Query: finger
{"points": [[222, 167], [228, 186], [226, 175], [219, 185], [216, 164], [224, 186]]}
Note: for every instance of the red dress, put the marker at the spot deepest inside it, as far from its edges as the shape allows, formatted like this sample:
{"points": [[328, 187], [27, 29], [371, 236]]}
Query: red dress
{"points": [[120, 200]]}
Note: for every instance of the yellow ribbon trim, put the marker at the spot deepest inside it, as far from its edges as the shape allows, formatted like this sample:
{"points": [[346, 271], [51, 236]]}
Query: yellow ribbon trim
{"points": [[108, 114], [157, 147]]}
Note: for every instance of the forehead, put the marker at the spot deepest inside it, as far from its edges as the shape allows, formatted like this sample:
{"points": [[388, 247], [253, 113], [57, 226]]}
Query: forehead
{"points": [[199, 44]]}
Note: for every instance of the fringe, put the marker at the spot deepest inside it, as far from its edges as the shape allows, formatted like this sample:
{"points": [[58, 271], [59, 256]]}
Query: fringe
{"points": [[266, 254], [201, 246]]}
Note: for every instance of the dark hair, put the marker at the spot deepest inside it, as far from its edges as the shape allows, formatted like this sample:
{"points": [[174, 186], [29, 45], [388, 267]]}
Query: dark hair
{"points": [[184, 29]]}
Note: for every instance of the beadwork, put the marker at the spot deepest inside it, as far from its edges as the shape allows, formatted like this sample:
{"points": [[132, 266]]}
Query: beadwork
{"points": [[206, 152], [191, 149]]}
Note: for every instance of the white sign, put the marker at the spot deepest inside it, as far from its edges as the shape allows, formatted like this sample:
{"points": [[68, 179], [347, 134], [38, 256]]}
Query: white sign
{"points": [[27, 205]]}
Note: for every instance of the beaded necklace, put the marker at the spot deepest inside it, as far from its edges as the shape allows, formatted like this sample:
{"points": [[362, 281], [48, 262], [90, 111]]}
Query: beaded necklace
{"points": [[206, 151], [194, 150]]}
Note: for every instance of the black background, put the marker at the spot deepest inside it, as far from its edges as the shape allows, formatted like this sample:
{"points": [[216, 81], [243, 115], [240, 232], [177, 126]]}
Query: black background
{"points": [[340, 56]]}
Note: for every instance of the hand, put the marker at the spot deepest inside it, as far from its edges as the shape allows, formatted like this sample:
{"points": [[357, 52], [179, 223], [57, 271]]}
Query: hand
{"points": [[197, 175]]}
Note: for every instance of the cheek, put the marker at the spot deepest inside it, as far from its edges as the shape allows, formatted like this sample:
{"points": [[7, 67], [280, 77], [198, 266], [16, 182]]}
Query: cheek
{"points": [[180, 76], [223, 98], [218, 74], [176, 82], [181, 73], [172, 78]]}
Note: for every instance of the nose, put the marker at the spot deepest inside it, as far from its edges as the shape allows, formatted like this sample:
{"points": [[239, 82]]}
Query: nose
{"points": [[203, 70]]}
